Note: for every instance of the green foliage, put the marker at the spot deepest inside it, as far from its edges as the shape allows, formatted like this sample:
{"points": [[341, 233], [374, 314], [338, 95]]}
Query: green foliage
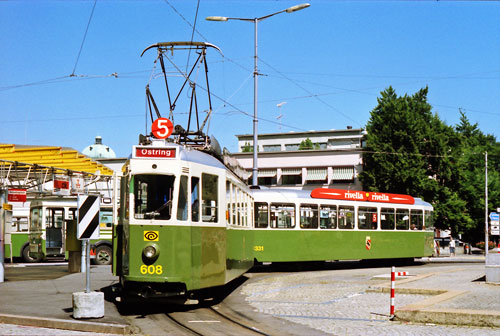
{"points": [[307, 144], [410, 150], [247, 148]]}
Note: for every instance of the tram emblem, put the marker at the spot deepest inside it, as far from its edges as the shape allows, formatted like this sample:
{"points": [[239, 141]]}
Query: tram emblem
{"points": [[368, 243], [151, 235]]}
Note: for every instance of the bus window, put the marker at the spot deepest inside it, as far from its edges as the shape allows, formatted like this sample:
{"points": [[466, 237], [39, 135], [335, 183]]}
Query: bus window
{"points": [[387, 218], [429, 220], [209, 197], [367, 218], [346, 217], [402, 219], [416, 220], [195, 199], [282, 216], [182, 201], [106, 220], [328, 217], [228, 202], [309, 216], [153, 196], [20, 224]]}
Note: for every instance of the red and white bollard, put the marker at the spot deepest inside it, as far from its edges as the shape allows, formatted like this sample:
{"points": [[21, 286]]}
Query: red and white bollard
{"points": [[393, 284]]}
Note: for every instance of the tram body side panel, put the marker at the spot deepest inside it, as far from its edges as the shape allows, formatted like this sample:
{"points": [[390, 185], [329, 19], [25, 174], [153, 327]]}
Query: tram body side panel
{"points": [[273, 245], [240, 253]]}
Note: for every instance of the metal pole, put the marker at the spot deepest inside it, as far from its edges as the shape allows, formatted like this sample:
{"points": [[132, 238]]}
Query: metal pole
{"points": [[486, 203], [2, 235], [255, 121], [87, 265]]}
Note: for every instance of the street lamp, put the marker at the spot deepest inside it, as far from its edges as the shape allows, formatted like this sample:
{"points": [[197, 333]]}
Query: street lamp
{"points": [[255, 74]]}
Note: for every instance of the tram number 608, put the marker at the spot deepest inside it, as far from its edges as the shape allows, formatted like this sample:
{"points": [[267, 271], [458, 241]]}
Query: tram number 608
{"points": [[151, 269]]}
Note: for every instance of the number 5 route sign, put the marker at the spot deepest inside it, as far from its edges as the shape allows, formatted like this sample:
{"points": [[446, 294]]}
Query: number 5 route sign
{"points": [[162, 128]]}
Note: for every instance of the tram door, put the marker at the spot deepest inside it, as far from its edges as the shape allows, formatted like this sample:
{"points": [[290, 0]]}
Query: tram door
{"points": [[54, 229]]}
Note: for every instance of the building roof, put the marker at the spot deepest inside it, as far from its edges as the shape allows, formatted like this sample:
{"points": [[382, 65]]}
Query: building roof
{"points": [[350, 131]]}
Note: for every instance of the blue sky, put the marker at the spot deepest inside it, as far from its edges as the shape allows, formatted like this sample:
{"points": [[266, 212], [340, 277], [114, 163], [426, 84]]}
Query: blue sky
{"points": [[328, 63]]}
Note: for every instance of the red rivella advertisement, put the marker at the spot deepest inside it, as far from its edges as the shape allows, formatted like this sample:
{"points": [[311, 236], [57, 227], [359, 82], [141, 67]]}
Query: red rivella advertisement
{"points": [[358, 195], [144, 152], [340, 194]]}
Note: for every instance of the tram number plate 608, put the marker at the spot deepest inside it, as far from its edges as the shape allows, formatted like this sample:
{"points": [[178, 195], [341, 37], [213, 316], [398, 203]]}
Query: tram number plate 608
{"points": [[151, 269]]}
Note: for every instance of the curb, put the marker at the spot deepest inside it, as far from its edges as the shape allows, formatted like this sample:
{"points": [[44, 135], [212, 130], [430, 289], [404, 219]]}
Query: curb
{"points": [[45, 322], [480, 318]]}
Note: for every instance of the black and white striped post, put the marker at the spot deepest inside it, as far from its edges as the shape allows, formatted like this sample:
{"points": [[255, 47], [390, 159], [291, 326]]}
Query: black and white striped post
{"points": [[88, 226]]}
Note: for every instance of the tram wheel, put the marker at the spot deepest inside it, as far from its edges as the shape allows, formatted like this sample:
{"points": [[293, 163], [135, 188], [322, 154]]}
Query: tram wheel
{"points": [[103, 255], [29, 259]]}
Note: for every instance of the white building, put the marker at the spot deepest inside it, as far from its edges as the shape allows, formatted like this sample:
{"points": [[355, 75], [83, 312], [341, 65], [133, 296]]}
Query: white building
{"points": [[334, 161]]}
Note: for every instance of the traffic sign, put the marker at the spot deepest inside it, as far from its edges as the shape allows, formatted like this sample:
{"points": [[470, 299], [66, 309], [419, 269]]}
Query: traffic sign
{"points": [[494, 216], [162, 128], [88, 216]]}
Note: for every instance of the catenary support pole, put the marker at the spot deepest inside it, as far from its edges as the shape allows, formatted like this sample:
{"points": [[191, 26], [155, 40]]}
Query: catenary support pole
{"points": [[486, 203]]}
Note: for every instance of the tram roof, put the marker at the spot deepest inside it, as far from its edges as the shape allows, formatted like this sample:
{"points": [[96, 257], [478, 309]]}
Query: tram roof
{"points": [[58, 159], [306, 194]]}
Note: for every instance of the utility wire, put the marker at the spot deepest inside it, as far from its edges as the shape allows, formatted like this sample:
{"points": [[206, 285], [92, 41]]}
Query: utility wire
{"points": [[192, 34], [314, 96], [84, 37]]}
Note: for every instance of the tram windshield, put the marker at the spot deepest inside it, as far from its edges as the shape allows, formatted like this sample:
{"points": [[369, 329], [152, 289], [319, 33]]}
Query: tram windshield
{"points": [[153, 196]]}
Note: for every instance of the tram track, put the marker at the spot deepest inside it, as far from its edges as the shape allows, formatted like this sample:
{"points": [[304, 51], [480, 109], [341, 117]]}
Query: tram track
{"points": [[212, 321]]}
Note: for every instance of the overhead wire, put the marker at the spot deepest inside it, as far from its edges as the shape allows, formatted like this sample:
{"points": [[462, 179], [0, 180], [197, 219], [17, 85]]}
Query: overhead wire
{"points": [[83, 40]]}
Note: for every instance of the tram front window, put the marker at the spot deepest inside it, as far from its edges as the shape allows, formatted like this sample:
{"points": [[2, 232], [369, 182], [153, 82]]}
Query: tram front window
{"points": [[153, 196]]}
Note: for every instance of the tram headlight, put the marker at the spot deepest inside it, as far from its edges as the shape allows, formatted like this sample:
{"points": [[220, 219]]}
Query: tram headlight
{"points": [[150, 252]]}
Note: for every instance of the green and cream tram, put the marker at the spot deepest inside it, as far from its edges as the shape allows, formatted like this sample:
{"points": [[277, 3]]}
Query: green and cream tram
{"points": [[333, 224], [47, 229], [184, 222]]}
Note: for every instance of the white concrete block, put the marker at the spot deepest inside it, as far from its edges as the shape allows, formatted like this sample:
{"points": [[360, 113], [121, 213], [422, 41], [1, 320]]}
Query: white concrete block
{"points": [[493, 267], [88, 305]]}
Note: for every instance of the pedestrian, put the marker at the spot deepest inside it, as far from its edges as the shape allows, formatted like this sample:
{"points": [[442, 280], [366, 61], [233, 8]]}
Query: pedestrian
{"points": [[452, 247]]}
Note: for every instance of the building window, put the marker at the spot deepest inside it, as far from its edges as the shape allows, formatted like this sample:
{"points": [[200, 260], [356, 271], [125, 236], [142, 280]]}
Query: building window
{"points": [[272, 148], [292, 147], [267, 177], [291, 176], [316, 175], [343, 174]]}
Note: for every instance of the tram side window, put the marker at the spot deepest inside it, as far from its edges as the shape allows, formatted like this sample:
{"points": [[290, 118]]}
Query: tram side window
{"points": [[209, 197], [402, 219], [429, 220], [387, 218], [367, 218], [36, 219], [346, 217], [328, 217], [416, 220], [106, 218], [282, 216], [261, 215], [309, 216], [182, 201], [195, 199], [19, 224], [153, 196]]}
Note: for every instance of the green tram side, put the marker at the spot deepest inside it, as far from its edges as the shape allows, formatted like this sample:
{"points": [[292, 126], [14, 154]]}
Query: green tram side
{"points": [[292, 226], [47, 230], [184, 223]]}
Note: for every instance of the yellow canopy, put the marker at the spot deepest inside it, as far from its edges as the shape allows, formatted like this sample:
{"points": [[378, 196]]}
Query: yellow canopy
{"points": [[60, 159]]}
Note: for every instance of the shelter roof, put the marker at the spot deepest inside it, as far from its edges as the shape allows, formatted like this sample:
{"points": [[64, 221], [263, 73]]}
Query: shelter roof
{"points": [[28, 166]]}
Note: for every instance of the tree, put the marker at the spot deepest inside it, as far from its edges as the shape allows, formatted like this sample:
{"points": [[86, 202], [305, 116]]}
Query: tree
{"points": [[409, 151], [308, 144]]}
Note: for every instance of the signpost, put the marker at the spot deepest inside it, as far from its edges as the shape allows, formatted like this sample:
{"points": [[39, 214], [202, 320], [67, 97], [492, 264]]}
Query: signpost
{"points": [[88, 226], [88, 304], [494, 224]]}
